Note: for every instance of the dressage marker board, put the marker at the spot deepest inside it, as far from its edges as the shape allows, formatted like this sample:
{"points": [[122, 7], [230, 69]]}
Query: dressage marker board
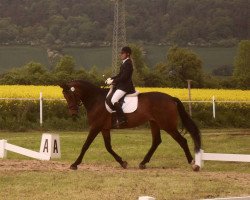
{"points": [[201, 156], [146, 198], [49, 148]]}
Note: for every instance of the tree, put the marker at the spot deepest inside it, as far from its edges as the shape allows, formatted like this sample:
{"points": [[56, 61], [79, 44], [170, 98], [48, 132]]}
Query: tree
{"points": [[182, 65], [30, 74], [159, 75], [49, 39], [66, 64], [157, 21], [242, 64], [40, 32], [64, 69], [8, 31], [140, 68], [94, 76]]}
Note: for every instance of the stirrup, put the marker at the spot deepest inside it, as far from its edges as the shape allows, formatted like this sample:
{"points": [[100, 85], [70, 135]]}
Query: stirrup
{"points": [[120, 123]]}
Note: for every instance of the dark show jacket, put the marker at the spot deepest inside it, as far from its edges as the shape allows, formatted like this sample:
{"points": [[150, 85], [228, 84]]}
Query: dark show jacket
{"points": [[123, 80]]}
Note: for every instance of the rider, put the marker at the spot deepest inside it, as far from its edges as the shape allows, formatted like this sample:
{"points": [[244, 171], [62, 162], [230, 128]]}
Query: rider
{"points": [[122, 83]]}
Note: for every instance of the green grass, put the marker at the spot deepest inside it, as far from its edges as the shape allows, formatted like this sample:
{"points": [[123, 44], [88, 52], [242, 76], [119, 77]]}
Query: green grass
{"points": [[101, 57], [168, 175]]}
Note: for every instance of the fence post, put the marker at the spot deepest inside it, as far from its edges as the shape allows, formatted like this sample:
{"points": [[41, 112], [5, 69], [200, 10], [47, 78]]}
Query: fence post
{"points": [[41, 108], [3, 152], [213, 107]]}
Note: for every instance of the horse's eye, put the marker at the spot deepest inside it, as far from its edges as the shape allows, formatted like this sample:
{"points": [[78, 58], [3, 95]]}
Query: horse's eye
{"points": [[72, 89]]}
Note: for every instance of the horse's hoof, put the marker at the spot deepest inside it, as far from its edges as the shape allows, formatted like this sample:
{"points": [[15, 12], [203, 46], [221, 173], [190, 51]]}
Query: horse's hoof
{"points": [[73, 167], [124, 165], [196, 168], [142, 166]]}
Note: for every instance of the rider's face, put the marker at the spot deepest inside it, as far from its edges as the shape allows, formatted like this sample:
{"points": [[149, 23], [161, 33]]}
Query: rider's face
{"points": [[124, 55]]}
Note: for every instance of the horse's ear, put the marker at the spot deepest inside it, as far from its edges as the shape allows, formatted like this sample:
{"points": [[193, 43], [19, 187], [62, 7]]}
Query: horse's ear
{"points": [[64, 86]]}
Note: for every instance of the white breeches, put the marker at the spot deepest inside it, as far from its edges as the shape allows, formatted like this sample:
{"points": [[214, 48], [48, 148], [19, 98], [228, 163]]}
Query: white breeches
{"points": [[117, 96]]}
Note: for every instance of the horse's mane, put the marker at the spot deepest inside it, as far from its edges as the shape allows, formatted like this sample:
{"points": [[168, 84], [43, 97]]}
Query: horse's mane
{"points": [[91, 86]]}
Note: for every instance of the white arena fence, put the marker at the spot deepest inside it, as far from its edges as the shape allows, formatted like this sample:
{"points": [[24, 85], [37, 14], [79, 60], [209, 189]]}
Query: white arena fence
{"points": [[49, 148], [41, 99], [200, 157]]}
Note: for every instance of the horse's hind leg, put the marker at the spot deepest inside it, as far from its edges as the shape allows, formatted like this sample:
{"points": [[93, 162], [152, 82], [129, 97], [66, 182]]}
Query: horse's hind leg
{"points": [[107, 141], [156, 140], [92, 135], [183, 143]]}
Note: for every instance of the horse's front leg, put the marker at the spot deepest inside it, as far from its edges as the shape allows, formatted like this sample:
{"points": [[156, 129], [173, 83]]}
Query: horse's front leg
{"points": [[107, 141], [91, 136]]}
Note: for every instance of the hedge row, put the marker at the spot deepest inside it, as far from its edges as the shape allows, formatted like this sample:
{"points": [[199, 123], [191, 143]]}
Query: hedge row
{"points": [[24, 115]]}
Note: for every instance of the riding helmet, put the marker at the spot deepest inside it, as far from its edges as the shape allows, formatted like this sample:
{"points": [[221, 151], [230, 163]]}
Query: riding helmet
{"points": [[126, 50]]}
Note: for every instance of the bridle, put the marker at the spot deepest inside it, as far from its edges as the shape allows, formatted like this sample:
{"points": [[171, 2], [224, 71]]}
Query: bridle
{"points": [[78, 101]]}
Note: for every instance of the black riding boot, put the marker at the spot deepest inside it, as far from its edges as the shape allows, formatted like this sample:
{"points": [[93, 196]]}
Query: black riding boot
{"points": [[120, 115]]}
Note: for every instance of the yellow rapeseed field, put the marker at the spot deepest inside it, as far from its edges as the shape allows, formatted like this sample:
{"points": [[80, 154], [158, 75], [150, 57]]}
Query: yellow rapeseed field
{"points": [[55, 92], [204, 94], [20, 91]]}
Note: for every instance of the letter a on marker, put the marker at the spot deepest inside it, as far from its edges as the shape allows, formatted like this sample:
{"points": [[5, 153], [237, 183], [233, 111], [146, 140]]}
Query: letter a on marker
{"points": [[46, 146], [55, 150]]}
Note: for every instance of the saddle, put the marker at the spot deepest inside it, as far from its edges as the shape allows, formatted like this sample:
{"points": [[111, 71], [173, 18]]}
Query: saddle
{"points": [[129, 102]]}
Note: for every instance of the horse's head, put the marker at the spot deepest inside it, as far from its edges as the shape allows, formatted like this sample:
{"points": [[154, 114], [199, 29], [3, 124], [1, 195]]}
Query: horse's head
{"points": [[72, 95]]}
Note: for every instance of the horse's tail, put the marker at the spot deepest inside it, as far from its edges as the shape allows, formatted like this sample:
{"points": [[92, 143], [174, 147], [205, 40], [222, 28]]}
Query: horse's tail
{"points": [[189, 124]]}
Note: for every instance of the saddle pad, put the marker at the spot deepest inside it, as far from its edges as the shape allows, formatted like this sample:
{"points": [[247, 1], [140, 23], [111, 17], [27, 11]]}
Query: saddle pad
{"points": [[130, 102], [130, 105]]}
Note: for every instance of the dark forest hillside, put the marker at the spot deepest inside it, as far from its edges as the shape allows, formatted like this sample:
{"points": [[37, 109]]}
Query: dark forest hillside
{"points": [[89, 22]]}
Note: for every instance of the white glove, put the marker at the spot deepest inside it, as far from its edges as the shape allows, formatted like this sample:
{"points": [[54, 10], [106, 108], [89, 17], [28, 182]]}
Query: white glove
{"points": [[109, 81]]}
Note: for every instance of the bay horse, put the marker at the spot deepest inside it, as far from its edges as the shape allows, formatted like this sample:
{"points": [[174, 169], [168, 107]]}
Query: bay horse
{"points": [[159, 109]]}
